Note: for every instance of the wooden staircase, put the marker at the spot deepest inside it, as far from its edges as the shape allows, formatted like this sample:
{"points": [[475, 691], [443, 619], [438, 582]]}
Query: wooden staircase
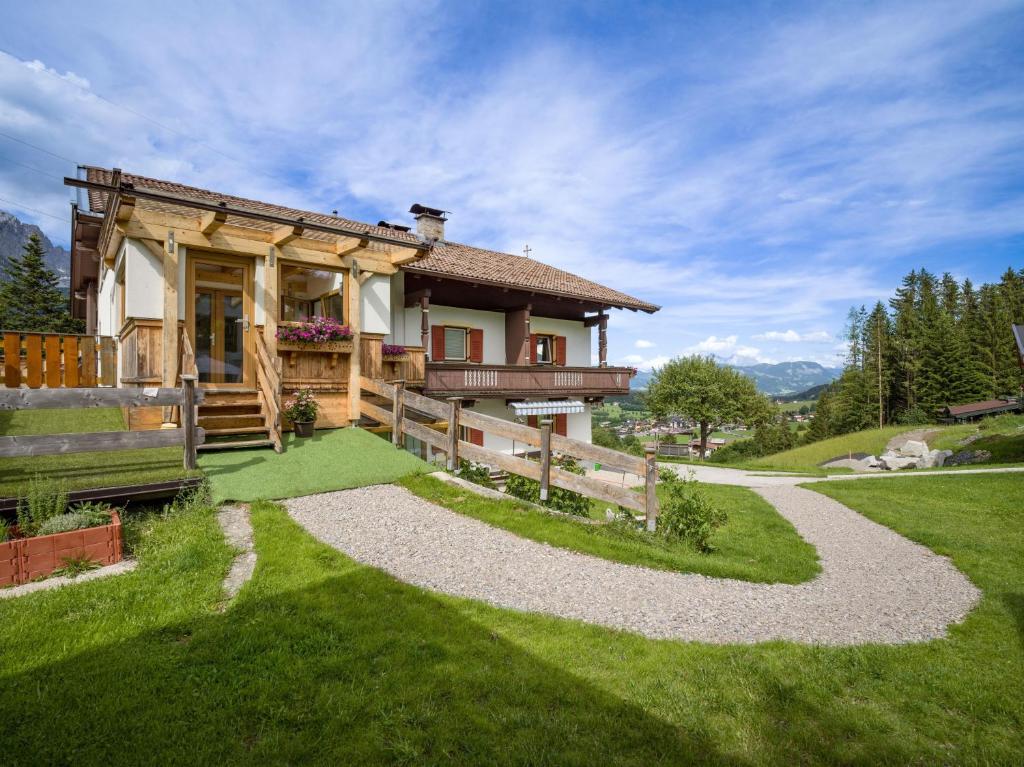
{"points": [[234, 419]]}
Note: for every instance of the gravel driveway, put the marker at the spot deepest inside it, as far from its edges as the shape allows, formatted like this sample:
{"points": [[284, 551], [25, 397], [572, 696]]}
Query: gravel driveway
{"points": [[875, 585]]}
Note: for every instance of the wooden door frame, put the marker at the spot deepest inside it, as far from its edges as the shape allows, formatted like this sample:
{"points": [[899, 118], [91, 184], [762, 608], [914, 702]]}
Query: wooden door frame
{"points": [[248, 265]]}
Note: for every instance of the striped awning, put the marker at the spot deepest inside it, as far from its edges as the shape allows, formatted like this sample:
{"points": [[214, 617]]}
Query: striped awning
{"points": [[520, 409]]}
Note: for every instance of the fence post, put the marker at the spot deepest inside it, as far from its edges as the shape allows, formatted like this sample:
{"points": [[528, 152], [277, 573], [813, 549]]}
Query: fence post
{"points": [[398, 413], [454, 407], [545, 457], [188, 418], [651, 482]]}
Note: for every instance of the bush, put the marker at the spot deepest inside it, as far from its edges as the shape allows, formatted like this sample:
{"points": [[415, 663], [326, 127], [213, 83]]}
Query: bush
{"points": [[559, 499], [688, 514], [477, 473], [45, 499], [5, 530]]}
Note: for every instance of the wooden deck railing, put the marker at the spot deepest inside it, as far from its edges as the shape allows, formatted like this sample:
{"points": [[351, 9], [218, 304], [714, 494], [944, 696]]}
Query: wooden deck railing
{"points": [[268, 389], [58, 360], [544, 472], [446, 378], [186, 397]]}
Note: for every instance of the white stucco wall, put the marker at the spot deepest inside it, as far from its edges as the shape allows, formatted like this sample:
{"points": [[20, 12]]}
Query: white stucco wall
{"points": [[397, 335], [375, 298], [106, 305], [144, 282], [577, 425], [492, 323]]}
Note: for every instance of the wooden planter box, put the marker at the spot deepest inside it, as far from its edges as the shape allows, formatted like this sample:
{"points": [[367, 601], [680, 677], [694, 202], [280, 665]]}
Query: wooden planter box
{"points": [[396, 357], [327, 347], [26, 559]]}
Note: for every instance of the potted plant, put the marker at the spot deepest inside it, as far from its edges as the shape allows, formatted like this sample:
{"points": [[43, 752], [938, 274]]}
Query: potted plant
{"points": [[394, 353], [301, 410]]}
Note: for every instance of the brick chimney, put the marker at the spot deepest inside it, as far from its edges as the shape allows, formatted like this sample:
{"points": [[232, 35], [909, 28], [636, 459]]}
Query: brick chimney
{"points": [[429, 221]]}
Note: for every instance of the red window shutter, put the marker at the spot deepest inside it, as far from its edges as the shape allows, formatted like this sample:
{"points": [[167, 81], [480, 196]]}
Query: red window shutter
{"points": [[437, 343], [476, 437], [476, 345], [533, 348], [560, 350], [562, 424], [531, 421]]}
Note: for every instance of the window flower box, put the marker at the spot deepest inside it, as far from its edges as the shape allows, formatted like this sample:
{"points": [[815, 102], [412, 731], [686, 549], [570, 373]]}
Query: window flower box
{"points": [[323, 335], [27, 559], [394, 353]]}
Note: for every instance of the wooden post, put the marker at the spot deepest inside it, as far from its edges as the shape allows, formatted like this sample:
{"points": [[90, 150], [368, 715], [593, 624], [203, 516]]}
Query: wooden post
{"points": [[425, 323], [271, 312], [397, 414], [188, 418], [651, 482], [354, 361], [602, 340], [545, 457], [454, 408]]}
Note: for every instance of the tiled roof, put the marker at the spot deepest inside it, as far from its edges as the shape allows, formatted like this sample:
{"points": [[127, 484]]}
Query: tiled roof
{"points": [[976, 407], [467, 262], [445, 258]]}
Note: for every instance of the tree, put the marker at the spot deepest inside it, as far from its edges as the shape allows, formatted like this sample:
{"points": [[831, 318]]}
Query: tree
{"points": [[711, 394], [30, 300]]}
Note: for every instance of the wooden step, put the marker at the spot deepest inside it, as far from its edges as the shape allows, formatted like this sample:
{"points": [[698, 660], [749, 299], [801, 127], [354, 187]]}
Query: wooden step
{"points": [[230, 408], [236, 430], [230, 421], [230, 445], [229, 397]]}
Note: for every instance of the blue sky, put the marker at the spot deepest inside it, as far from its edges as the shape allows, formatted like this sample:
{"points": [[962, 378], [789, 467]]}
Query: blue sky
{"points": [[756, 169]]}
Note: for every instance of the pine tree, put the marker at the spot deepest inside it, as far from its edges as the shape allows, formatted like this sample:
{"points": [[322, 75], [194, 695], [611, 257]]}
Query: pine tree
{"points": [[906, 337], [30, 300], [877, 364], [975, 385]]}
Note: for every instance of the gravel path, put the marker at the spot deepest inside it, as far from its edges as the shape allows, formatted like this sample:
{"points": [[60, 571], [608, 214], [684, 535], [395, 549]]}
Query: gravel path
{"points": [[875, 586]]}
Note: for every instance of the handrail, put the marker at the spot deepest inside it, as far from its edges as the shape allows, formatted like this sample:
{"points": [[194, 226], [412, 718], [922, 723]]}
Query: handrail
{"points": [[268, 381], [188, 356]]}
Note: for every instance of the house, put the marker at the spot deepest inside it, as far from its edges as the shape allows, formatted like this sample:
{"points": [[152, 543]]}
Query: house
{"points": [[188, 278], [976, 410]]}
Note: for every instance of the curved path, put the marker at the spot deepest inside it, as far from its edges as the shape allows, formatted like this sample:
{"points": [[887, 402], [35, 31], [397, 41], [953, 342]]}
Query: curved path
{"points": [[875, 585]]}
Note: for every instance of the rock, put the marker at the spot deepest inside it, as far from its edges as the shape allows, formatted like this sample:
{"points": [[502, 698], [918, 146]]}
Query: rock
{"points": [[894, 462], [871, 462], [968, 456], [914, 448]]}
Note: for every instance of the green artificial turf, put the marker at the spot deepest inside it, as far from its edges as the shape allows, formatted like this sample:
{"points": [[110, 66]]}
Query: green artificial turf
{"points": [[332, 459], [321, 660], [756, 544], [83, 470]]}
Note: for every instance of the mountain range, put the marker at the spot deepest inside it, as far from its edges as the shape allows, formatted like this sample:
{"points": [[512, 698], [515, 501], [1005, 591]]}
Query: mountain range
{"points": [[776, 379], [14, 234]]}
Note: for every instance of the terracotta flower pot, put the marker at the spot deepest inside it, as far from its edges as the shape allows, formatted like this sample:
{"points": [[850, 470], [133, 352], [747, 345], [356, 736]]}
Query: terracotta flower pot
{"points": [[303, 428]]}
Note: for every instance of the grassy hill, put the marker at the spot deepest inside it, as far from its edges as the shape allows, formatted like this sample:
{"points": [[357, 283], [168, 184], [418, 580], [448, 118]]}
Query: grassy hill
{"points": [[805, 457]]}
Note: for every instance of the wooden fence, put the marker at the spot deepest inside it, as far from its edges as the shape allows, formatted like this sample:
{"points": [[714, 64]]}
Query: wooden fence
{"points": [[544, 472], [189, 436], [56, 360]]}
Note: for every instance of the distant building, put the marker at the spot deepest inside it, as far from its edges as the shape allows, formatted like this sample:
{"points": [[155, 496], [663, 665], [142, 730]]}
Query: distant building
{"points": [[976, 410]]}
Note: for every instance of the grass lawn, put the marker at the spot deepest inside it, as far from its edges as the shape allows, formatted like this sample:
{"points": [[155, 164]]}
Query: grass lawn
{"points": [[82, 470], [807, 457], [1002, 436], [332, 459], [327, 661], [755, 545]]}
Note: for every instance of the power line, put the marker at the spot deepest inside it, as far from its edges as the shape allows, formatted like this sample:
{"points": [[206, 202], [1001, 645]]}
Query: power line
{"points": [[38, 148], [19, 206], [31, 167]]}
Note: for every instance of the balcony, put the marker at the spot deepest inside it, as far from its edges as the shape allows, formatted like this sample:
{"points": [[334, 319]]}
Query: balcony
{"points": [[470, 380]]}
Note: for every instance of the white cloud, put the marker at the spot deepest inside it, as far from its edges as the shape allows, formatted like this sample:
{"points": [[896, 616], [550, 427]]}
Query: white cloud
{"points": [[714, 344], [641, 343], [792, 337]]}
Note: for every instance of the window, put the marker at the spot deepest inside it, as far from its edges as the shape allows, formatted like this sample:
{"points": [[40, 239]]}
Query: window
{"points": [[307, 293], [454, 343], [545, 350]]}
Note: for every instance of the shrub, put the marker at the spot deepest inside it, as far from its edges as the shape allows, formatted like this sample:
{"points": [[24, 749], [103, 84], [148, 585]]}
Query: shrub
{"points": [[668, 476], [45, 499], [477, 473], [81, 516], [5, 530], [688, 514], [562, 500]]}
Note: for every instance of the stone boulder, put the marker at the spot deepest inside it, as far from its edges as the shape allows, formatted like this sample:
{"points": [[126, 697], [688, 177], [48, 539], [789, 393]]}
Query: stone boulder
{"points": [[896, 462], [914, 448], [968, 456]]}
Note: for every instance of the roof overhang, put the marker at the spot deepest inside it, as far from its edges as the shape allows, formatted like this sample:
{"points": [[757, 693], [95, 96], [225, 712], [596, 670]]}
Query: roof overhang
{"points": [[85, 258]]}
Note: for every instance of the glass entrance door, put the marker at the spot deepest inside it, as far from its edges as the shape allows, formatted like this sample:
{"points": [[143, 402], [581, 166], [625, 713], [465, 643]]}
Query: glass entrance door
{"points": [[220, 322]]}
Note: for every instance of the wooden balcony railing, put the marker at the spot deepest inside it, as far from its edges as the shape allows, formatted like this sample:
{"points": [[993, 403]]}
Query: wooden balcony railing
{"points": [[444, 378], [54, 360]]}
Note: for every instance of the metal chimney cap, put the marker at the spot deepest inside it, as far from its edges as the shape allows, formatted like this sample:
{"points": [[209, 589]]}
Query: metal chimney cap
{"points": [[423, 210]]}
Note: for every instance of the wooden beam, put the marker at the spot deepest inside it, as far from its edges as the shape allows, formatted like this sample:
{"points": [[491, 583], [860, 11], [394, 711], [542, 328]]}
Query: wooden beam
{"points": [[211, 221], [271, 311], [62, 444], [401, 256], [282, 235], [60, 399], [125, 208], [413, 299], [347, 245], [352, 318], [167, 250]]}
